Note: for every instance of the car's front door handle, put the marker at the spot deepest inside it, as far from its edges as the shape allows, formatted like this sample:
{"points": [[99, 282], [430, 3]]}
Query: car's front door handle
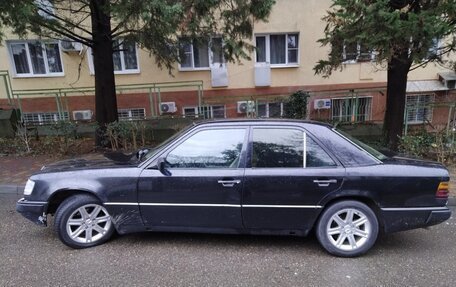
{"points": [[324, 182], [229, 183]]}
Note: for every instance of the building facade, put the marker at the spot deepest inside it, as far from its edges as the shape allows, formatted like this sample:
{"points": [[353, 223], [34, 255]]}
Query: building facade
{"points": [[54, 79]]}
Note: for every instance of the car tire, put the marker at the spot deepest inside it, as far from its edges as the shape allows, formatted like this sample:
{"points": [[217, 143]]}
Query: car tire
{"points": [[81, 221], [347, 228]]}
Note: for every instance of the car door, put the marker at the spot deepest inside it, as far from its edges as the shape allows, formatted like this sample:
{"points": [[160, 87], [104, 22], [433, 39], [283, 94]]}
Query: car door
{"points": [[287, 174], [202, 182]]}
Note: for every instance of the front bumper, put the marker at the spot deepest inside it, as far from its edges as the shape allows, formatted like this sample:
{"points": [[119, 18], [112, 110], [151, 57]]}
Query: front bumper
{"points": [[33, 210], [399, 219]]}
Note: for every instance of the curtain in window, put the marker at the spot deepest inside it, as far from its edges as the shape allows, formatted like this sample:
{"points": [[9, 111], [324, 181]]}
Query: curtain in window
{"points": [[186, 55], [278, 49], [36, 55], [201, 55], [116, 56], [20, 58], [53, 58], [261, 49], [129, 51], [217, 50], [293, 43]]}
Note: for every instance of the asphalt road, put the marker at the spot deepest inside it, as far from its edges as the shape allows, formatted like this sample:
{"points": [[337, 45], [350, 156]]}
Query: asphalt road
{"points": [[33, 256]]}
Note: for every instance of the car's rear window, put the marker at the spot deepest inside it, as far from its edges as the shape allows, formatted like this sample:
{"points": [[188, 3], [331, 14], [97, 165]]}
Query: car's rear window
{"points": [[349, 153]]}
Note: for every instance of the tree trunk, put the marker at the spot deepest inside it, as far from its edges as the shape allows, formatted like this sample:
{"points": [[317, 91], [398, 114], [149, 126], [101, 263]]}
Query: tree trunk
{"points": [[105, 87], [398, 68]]}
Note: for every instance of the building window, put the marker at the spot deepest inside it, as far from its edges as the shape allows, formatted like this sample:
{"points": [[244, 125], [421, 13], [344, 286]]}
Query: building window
{"points": [[190, 112], [199, 54], [36, 58], [131, 114], [278, 49], [418, 108], [124, 57], [44, 118], [358, 109], [434, 51], [213, 112], [270, 110], [356, 52]]}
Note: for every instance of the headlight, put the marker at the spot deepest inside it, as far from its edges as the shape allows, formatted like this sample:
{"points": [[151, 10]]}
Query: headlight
{"points": [[29, 187]]}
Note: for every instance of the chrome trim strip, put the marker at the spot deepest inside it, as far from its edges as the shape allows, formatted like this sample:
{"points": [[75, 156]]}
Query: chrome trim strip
{"points": [[284, 206], [23, 200], [121, 203], [189, 204], [414, 208], [211, 205]]}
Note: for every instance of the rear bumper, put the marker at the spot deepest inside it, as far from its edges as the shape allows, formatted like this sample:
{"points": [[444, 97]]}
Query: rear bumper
{"points": [[399, 219], [33, 211]]}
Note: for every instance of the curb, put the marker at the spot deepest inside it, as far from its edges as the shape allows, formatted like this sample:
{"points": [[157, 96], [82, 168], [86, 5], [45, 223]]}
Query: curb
{"points": [[11, 189], [18, 190]]}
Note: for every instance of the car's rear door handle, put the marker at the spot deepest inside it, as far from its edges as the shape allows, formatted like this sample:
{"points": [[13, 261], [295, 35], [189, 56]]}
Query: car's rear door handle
{"points": [[324, 182], [229, 183]]}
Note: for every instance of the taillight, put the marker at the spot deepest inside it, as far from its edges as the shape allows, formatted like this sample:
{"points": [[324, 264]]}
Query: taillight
{"points": [[443, 190]]}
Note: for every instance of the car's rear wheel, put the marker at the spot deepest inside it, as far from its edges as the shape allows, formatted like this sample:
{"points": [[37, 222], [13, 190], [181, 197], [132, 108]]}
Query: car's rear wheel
{"points": [[81, 221], [347, 228]]}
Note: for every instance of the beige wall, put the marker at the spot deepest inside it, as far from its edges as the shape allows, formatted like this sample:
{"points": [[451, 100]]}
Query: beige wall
{"points": [[287, 16]]}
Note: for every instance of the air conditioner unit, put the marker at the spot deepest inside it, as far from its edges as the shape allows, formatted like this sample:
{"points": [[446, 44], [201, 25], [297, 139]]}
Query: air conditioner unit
{"points": [[245, 107], [82, 115], [70, 46], [168, 107], [322, 104], [448, 80]]}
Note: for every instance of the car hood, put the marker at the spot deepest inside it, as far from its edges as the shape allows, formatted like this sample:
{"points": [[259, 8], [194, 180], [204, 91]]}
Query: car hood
{"points": [[107, 160]]}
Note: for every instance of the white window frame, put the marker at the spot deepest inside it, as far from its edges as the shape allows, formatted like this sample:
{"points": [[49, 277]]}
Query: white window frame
{"points": [[352, 110], [431, 110], [210, 110], [29, 60], [195, 108], [267, 108], [130, 116], [122, 61], [41, 117], [356, 61], [268, 50], [210, 58]]}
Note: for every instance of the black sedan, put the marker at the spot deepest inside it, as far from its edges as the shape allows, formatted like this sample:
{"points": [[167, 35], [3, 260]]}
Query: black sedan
{"points": [[278, 177]]}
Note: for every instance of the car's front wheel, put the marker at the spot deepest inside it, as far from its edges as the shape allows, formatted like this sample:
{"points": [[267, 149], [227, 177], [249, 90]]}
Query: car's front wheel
{"points": [[347, 228], [81, 221]]}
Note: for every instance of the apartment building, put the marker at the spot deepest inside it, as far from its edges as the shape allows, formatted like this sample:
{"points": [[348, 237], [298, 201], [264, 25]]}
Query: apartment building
{"points": [[54, 79]]}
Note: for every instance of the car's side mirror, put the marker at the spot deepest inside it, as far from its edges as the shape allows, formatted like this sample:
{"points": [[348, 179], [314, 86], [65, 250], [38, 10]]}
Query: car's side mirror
{"points": [[140, 153], [161, 166]]}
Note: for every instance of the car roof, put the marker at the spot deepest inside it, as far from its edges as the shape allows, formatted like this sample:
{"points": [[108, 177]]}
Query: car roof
{"points": [[262, 121]]}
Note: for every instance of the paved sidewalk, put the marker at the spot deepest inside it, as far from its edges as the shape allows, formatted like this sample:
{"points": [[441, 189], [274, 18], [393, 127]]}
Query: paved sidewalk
{"points": [[14, 172]]}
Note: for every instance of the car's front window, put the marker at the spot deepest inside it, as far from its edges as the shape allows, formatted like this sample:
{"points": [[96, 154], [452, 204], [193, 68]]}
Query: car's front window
{"points": [[157, 148], [218, 148]]}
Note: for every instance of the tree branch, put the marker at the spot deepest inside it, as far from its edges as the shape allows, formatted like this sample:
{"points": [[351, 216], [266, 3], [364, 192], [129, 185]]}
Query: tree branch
{"points": [[67, 33], [65, 21]]}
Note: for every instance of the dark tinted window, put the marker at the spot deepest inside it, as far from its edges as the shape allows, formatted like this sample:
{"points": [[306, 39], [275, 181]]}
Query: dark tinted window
{"points": [[346, 152], [277, 148], [316, 156], [209, 149]]}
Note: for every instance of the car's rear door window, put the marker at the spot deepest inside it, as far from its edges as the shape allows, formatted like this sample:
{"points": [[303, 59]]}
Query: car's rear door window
{"points": [[286, 147], [215, 148]]}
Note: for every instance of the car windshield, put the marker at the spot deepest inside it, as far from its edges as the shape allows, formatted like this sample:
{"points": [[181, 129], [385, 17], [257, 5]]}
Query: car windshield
{"points": [[375, 153], [154, 150]]}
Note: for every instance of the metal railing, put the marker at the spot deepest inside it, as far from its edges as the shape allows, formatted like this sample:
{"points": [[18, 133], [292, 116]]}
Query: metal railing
{"points": [[152, 90]]}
